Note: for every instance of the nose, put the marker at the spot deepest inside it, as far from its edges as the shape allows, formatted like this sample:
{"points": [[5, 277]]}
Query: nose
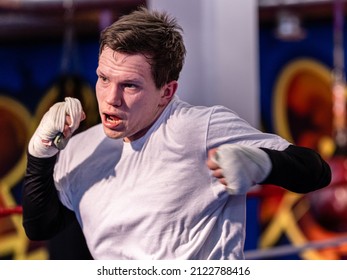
{"points": [[115, 96]]}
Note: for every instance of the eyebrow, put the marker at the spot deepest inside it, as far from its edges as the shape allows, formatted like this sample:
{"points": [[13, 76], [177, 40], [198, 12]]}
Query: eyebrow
{"points": [[98, 71], [135, 80], [125, 80]]}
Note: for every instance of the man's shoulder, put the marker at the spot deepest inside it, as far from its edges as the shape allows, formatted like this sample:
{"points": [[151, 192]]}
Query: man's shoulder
{"points": [[187, 110]]}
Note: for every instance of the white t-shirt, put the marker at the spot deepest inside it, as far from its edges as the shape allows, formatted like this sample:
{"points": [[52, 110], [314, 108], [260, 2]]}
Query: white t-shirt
{"points": [[155, 198]]}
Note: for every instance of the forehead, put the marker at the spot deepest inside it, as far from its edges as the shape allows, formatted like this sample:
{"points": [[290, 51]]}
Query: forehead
{"points": [[113, 60]]}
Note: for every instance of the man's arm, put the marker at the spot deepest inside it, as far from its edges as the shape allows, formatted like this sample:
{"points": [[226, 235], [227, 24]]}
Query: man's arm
{"points": [[297, 169], [43, 213]]}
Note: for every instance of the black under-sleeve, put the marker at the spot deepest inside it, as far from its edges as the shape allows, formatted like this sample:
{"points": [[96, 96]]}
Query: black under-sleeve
{"points": [[43, 213], [298, 169]]}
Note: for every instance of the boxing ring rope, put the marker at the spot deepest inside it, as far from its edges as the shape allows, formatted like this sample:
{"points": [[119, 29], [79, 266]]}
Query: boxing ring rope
{"points": [[285, 250], [4, 212]]}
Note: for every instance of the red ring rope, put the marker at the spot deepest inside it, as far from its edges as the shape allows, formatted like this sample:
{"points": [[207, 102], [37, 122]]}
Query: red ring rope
{"points": [[4, 212]]}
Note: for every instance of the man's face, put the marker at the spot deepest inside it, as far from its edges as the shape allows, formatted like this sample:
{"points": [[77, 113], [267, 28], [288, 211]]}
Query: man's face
{"points": [[128, 99]]}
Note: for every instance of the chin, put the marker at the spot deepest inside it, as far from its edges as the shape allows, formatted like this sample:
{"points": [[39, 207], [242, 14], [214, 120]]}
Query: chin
{"points": [[113, 134]]}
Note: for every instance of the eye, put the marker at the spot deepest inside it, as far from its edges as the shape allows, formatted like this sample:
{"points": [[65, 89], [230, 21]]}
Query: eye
{"points": [[129, 86], [103, 78]]}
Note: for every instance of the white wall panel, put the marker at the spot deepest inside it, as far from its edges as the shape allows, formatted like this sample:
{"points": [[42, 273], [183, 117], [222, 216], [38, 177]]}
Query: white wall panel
{"points": [[221, 37]]}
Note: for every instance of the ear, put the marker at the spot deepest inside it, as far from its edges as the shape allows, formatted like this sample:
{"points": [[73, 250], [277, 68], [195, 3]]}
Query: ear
{"points": [[167, 92]]}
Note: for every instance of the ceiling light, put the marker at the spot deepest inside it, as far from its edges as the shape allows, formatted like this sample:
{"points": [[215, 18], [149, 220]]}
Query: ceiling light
{"points": [[289, 26]]}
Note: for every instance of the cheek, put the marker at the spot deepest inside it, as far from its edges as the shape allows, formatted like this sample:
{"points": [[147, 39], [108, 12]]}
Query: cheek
{"points": [[142, 109], [149, 104], [99, 92]]}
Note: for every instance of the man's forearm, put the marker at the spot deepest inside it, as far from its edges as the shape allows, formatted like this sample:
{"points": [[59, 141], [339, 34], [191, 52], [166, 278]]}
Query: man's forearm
{"points": [[43, 213], [298, 169]]}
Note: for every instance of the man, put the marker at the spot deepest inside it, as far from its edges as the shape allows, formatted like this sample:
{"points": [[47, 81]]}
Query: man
{"points": [[158, 178]]}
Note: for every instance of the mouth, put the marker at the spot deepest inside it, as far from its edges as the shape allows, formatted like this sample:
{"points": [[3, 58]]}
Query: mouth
{"points": [[112, 121], [111, 118]]}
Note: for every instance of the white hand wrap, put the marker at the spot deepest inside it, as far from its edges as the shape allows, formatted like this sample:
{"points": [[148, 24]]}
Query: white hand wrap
{"points": [[41, 143], [242, 166]]}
